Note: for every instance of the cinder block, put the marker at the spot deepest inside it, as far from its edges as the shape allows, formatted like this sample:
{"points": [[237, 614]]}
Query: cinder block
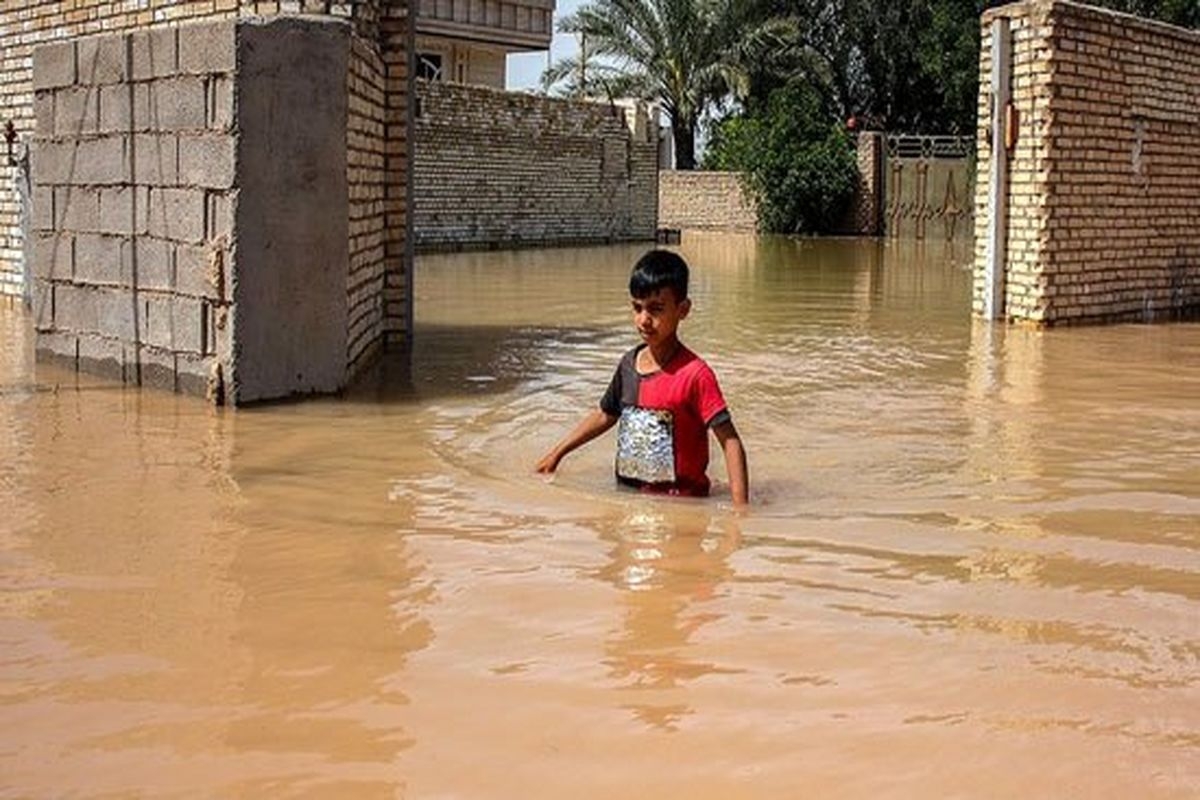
{"points": [[51, 162], [88, 309], [103, 59], [43, 305], [42, 208], [177, 214], [43, 113], [77, 209], [53, 256], [156, 368], [153, 54], [206, 48], [219, 109], [176, 104], [173, 323], [57, 346], [116, 104], [76, 111], [155, 160], [102, 162], [53, 65], [103, 356], [206, 161], [191, 270], [87, 162], [219, 215], [124, 210], [153, 263], [101, 260], [192, 373]]}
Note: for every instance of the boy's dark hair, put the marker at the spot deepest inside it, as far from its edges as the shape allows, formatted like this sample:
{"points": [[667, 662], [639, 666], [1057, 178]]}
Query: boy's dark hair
{"points": [[659, 269]]}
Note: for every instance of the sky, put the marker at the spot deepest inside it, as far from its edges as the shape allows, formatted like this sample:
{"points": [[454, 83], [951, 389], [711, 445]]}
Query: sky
{"points": [[525, 69]]}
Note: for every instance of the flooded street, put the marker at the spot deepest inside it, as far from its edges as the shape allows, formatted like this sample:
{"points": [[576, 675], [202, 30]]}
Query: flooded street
{"points": [[971, 567]]}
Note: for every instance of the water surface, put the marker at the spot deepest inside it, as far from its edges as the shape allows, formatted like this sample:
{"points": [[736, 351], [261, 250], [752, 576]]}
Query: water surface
{"points": [[972, 567]]}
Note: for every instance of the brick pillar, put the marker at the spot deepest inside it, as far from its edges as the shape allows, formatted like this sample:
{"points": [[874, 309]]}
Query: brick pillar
{"points": [[868, 202], [396, 36]]}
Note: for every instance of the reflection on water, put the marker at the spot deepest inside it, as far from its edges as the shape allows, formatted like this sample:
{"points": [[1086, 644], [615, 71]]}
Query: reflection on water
{"points": [[971, 567]]}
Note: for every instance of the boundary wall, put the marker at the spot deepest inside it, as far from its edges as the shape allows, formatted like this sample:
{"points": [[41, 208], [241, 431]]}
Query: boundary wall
{"points": [[210, 206], [494, 169], [716, 200], [1104, 176], [377, 138], [704, 200]]}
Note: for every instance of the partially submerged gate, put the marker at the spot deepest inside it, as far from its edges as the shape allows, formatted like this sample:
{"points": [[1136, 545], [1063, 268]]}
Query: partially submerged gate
{"points": [[928, 186]]}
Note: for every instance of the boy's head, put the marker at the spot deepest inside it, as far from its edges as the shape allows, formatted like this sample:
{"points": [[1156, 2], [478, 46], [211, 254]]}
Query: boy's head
{"points": [[657, 270], [658, 287]]}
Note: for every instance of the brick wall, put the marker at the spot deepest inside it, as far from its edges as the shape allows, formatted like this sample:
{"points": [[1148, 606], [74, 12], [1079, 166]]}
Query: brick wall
{"points": [[704, 201], [26, 23], [497, 169], [701, 200], [365, 152], [1104, 197]]}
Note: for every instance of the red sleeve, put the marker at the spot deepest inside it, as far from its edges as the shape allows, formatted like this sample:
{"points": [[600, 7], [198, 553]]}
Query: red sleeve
{"points": [[708, 396]]}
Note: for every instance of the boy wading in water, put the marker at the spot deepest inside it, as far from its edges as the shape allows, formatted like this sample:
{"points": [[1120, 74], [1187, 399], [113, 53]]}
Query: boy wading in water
{"points": [[663, 397]]}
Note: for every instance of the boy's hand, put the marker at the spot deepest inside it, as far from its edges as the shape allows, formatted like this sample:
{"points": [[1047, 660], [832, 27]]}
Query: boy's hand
{"points": [[547, 464], [591, 426]]}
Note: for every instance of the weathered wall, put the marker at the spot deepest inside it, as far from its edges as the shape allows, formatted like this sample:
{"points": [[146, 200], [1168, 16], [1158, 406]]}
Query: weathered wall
{"points": [[703, 200], [133, 196], [23, 25], [1104, 197], [290, 271], [496, 169], [209, 205]]}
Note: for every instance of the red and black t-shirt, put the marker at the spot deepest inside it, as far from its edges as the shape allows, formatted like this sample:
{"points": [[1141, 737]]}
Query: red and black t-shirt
{"points": [[662, 433]]}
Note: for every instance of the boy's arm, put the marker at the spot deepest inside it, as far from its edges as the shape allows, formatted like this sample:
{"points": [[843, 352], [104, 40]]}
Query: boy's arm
{"points": [[595, 423], [735, 462]]}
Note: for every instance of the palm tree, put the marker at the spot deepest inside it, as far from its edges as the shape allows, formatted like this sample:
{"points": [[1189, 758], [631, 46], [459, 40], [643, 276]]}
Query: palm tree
{"points": [[684, 54]]}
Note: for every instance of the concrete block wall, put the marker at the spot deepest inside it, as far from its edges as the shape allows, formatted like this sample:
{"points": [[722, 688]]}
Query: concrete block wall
{"points": [[703, 200], [497, 169], [1104, 199], [25, 24], [133, 192], [210, 206]]}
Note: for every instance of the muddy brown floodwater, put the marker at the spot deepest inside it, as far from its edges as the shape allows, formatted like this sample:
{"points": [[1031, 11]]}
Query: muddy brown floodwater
{"points": [[971, 569]]}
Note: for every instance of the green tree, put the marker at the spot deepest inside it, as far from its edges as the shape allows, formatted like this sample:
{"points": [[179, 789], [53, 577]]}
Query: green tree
{"points": [[684, 54], [796, 160]]}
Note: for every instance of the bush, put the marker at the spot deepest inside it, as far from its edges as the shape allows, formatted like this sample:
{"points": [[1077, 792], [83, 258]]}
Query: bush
{"points": [[798, 165]]}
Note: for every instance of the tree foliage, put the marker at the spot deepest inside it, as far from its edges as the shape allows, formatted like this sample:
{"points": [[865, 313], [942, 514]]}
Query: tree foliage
{"points": [[684, 54], [782, 76], [798, 164]]}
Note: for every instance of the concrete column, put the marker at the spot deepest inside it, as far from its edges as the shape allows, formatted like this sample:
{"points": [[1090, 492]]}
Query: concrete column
{"points": [[997, 225]]}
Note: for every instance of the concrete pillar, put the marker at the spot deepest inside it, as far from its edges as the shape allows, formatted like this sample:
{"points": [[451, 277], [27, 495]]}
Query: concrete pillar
{"points": [[997, 225]]}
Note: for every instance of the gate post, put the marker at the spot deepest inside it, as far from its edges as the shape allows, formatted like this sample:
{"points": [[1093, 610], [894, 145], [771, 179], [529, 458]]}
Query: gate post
{"points": [[997, 224]]}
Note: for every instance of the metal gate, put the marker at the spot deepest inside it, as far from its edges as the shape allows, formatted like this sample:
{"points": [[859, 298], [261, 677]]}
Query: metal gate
{"points": [[929, 184]]}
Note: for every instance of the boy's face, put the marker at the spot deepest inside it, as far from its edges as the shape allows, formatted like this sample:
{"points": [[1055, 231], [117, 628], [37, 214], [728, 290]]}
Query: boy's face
{"points": [[656, 316]]}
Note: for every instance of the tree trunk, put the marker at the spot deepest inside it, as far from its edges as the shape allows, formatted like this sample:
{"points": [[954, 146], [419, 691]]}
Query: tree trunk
{"points": [[684, 135]]}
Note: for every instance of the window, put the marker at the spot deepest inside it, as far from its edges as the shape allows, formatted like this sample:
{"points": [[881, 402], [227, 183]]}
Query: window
{"points": [[429, 66]]}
